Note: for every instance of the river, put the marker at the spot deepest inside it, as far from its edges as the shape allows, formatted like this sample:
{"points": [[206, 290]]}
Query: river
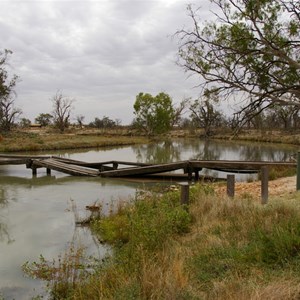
{"points": [[36, 214]]}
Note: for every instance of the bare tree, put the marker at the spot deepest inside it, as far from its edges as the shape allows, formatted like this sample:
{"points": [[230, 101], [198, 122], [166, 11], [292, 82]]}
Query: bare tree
{"points": [[204, 114], [62, 107], [179, 111], [8, 112], [79, 120]]}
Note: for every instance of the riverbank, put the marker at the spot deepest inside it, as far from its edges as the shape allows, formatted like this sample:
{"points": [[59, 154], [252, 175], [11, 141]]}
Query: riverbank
{"points": [[42, 139], [21, 141], [220, 248], [262, 136]]}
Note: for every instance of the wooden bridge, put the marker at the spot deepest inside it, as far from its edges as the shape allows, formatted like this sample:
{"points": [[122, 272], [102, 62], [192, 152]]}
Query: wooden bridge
{"points": [[191, 168]]}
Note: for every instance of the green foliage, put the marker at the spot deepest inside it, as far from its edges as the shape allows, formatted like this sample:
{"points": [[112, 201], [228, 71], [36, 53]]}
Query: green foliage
{"points": [[44, 119], [24, 123], [147, 224], [154, 115], [62, 275], [250, 50], [105, 122]]}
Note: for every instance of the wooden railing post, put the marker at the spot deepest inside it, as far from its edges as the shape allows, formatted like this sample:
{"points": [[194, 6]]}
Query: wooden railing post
{"points": [[230, 185], [264, 185], [185, 194]]}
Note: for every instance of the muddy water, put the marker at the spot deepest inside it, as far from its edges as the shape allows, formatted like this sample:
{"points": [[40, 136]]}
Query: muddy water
{"points": [[36, 214]]}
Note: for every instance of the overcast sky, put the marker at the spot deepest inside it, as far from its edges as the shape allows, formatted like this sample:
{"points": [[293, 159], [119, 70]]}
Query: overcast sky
{"points": [[102, 53]]}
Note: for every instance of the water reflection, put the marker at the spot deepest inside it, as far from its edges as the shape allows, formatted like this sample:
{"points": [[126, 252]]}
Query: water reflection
{"points": [[193, 149]]}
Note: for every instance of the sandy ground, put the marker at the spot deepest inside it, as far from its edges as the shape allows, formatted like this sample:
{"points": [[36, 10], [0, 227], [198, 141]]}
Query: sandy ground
{"points": [[277, 187]]}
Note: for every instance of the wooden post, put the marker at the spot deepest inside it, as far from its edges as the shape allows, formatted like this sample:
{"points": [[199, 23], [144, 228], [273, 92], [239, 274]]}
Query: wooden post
{"points": [[185, 194], [115, 165], [190, 174], [298, 171], [264, 185], [34, 172], [230, 185], [48, 171], [196, 174]]}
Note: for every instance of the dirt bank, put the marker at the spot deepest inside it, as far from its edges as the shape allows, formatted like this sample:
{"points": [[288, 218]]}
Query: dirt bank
{"points": [[277, 187]]}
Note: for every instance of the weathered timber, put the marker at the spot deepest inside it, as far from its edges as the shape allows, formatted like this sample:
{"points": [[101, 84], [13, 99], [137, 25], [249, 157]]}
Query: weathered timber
{"points": [[13, 161], [92, 165], [153, 169], [264, 184], [99, 165], [24, 156], [63, 167], [18, 159], [230, 185], [237, 165]]}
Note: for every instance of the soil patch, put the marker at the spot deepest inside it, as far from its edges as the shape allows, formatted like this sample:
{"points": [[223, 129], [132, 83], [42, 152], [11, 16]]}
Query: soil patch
{"points": [[277, 187]]}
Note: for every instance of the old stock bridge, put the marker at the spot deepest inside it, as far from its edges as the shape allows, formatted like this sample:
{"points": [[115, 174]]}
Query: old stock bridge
{"points": [[191, 168]]}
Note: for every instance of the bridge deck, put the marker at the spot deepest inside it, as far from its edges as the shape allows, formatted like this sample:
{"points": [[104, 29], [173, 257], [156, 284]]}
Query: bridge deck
{"points": [[113, 169]]}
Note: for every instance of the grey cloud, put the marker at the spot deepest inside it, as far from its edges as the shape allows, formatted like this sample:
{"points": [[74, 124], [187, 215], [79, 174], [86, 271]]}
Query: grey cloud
{"points": [[100, 52]]}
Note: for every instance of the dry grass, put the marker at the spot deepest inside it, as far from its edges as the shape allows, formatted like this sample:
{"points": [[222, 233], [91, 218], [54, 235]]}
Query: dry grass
{"points": [[24, 141]]}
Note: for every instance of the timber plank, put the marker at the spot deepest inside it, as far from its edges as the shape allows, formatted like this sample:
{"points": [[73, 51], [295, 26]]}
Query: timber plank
{"points": [[152, 169], [98, 165], [238, 165], [63, 167]]}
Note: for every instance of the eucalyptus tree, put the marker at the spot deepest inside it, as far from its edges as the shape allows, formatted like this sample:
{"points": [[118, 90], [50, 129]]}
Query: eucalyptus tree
{"points": [[44, 119], [154, 114], [249, 51]]}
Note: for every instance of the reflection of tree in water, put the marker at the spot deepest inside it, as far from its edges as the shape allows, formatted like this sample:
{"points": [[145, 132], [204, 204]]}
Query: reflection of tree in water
{"points": [[207, 151], [4, 234], [264, 153], [162, 152]]}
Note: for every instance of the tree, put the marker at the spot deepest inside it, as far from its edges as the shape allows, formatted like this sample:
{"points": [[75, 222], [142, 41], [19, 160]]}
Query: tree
{"points": [[204, 113], [24, 123], [286, 117], [62, 107], [154, 115], [251, 52], [79, 120], [105, 122], [179, 111], [44, 119], [8, 112]]}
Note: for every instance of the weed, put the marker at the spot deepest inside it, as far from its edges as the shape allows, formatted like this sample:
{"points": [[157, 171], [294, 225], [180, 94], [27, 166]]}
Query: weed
{"points": [[62, 275]]}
